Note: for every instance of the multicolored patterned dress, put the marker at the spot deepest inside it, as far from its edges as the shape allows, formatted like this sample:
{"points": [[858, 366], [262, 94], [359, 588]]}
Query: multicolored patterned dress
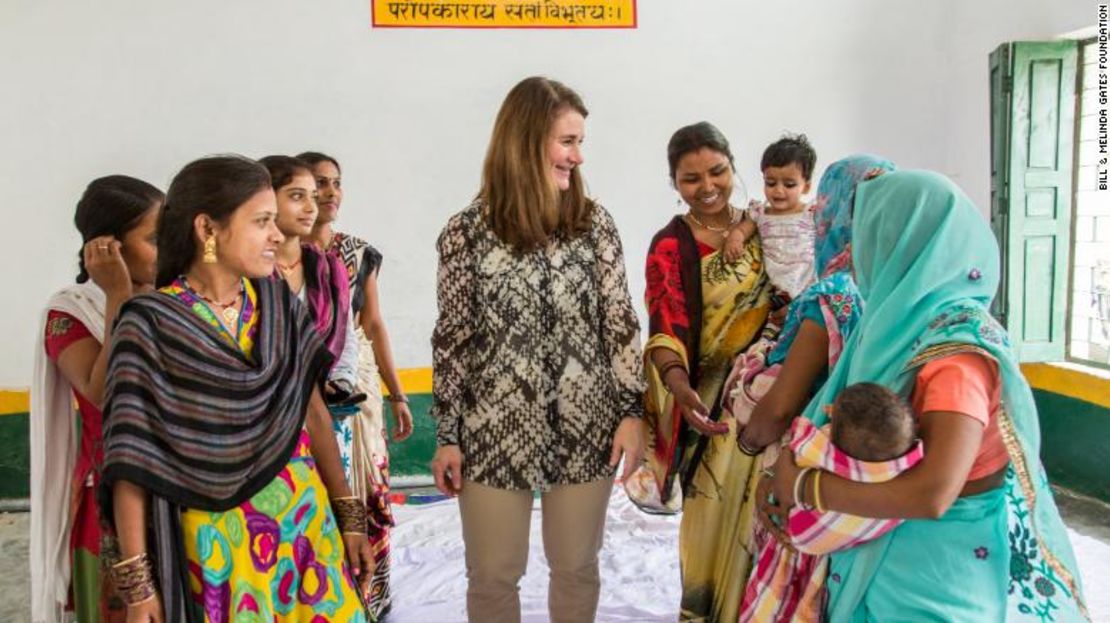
{"points": [[279, 556]]}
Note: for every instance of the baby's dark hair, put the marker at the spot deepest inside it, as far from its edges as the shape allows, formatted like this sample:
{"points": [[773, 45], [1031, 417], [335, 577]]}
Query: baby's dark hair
{"points": [[790, 149], [872, 423]]}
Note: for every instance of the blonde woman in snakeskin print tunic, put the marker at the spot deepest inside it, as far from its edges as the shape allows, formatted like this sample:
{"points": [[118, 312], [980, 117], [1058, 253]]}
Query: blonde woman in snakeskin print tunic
{"points": [[536, 360]]}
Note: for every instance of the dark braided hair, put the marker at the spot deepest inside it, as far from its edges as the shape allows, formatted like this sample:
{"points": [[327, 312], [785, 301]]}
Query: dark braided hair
{"points": [[112, 206]]}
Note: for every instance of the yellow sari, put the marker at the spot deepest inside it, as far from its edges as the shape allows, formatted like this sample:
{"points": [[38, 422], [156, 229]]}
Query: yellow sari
{"points": [[707, 311]]}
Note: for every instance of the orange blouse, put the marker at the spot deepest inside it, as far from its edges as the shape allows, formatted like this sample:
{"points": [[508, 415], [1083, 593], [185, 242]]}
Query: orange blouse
{"points": [[970, 384]]}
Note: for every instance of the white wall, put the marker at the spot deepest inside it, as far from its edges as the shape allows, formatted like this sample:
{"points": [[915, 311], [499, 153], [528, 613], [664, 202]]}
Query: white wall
{"points": [[141, 88], [975, 29]]}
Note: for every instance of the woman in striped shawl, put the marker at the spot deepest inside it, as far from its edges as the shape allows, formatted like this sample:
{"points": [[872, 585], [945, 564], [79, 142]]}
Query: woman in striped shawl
{"points": [[213, 406]]}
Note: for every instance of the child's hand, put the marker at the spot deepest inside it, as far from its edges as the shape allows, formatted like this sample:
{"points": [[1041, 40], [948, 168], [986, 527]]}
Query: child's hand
{"points": [[734, 244], [779, 315], [737, 238]]}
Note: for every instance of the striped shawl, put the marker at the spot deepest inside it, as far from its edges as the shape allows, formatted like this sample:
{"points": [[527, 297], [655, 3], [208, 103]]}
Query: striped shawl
{"points": [[189, 417]]}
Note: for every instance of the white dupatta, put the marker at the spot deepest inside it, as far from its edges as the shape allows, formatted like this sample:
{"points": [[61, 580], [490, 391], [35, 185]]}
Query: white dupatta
{"points": [[368, 425], [53, 455]]}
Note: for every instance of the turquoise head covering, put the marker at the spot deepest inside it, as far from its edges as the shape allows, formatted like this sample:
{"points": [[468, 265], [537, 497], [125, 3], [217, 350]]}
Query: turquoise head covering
{"points": [[836, 194], [927, 265]]}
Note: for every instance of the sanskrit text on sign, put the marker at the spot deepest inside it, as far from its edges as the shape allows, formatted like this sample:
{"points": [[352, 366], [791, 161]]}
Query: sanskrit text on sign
{"points": [[504, 13]]}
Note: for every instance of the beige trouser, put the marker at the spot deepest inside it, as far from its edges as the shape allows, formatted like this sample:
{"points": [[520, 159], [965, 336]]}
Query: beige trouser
{"points": [[495, 524]]}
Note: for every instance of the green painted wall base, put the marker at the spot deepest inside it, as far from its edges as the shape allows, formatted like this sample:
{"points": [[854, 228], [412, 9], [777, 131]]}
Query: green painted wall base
{"points": [[15, 456], [1075, 443], [410, 458], [413, 456]]}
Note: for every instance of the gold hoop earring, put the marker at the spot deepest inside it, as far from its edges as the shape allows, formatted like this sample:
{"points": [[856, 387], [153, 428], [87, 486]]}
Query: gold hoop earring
{"points": [[210, 249]]}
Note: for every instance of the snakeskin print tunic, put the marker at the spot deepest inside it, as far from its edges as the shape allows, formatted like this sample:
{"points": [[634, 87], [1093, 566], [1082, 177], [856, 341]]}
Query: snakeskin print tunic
{"points": [[536, 357]]}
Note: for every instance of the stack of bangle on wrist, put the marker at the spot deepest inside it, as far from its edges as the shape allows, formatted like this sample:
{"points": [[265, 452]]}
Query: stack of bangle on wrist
{"points": [[397, 398], [350, 515], [134, 579]]}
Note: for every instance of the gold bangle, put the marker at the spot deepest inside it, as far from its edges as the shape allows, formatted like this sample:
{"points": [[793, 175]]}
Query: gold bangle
{"points": [[350, 515], [817, 492], [134, 579], [129, 560], [146, 599]]}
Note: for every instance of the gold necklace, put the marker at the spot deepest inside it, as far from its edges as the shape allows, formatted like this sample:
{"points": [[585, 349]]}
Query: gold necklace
{"points": [[229, 312], [719, 230]]}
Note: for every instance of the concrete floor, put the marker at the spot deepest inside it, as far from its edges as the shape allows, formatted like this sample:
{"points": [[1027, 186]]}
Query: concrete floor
{"points": [[1084, 515], [15, 585]]}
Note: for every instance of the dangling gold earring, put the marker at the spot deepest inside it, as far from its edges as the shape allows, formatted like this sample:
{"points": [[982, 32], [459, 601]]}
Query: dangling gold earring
{"points": [[210, 249]]}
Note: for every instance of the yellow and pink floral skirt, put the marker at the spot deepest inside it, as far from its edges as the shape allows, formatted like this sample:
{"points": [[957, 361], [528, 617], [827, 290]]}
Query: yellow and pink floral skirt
{"points": [[276, 557]]}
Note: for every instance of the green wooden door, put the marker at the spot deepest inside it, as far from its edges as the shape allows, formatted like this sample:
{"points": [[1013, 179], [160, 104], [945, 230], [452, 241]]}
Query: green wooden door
{"points": [[1032, 152]]}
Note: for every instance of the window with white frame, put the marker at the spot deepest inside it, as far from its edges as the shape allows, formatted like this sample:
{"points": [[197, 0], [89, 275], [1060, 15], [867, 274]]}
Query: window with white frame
{"points": [[1089, 330]]}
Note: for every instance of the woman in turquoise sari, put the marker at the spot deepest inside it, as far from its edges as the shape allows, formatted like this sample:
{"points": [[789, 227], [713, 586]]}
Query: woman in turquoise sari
{"points": [[983, 540]]}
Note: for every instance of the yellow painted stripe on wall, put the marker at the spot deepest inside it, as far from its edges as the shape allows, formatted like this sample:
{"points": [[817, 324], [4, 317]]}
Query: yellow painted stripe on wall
{"points": [[413, 380], [14, 401], [1068, 381]]}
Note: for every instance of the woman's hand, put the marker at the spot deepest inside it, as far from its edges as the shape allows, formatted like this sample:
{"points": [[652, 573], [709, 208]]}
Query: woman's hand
{"points": [[149, 611], [447, 470], [786, 471], [105, 265], [772, 514], [696, 413], [627, 441], [761, 432], [402, 420], [361, 559], [775, 496]]}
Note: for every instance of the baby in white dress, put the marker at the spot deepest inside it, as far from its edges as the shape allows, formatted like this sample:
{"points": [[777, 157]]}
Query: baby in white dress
{"points": [[785, 221]]}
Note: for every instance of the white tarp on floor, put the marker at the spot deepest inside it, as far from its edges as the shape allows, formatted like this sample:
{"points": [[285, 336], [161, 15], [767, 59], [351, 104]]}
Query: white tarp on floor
{"points": [[639, 567]]}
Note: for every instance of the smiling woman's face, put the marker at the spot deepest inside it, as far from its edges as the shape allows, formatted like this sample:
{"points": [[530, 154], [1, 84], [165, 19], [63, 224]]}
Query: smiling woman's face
{"points": [[329, 188], [564, 146], [296, 205], [247, 244], [704, 180]]}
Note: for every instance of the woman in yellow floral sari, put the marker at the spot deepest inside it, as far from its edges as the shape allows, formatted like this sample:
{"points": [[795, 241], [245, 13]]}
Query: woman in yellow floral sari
{"points": [[703, 310]]}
